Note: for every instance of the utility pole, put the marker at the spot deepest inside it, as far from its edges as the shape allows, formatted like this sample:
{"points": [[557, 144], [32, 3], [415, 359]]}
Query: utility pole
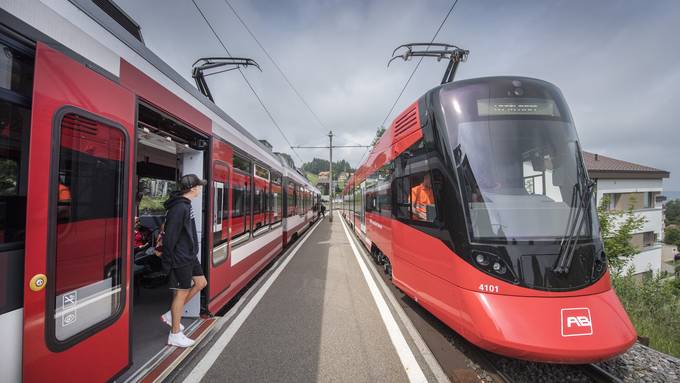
{"points": [[330, 169], [330, 177]]}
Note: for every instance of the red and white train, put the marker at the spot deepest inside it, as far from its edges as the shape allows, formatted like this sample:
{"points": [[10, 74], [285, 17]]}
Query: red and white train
{"points": [[94, 130], [477, 203]]}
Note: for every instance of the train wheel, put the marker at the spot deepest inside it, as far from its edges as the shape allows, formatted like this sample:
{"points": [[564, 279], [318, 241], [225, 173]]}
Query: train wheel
{"points": [[387, 267], [375, 254]]}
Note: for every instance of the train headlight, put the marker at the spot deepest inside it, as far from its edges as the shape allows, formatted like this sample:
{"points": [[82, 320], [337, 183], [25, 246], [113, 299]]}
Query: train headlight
{"points": [[481, 259], [493, 264]]}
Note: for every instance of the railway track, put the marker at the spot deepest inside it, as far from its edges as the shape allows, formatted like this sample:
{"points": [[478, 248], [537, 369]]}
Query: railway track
{"points": [[598, 374]]}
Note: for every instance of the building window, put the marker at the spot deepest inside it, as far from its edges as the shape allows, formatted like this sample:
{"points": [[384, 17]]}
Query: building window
{"points": [[611, 199], [649, 238]]}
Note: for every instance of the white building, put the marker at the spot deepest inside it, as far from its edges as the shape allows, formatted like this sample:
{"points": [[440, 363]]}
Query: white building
{"points": [[637, 186]]}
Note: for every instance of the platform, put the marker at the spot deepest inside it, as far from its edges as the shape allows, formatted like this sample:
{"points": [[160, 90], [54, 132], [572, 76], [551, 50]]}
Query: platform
{"points": [[317, 314]]}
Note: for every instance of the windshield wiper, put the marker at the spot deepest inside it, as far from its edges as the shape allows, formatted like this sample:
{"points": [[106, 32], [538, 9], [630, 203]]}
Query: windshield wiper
{"points": [[578, 214], [568, 244]]}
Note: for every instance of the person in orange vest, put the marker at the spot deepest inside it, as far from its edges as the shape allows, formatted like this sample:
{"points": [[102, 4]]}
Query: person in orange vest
{"points": [[63, 202], [64, 194], [421, 198]]}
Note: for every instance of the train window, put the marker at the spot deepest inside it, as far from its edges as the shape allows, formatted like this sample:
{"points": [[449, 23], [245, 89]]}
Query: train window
{"points": [[15, 123], [276, 199], [220, 204], [403, 197], [260, 209], [384, 200], [16, 72], [241, 164], [371, 201], [357, 201], [90, 224], [422, 198], [261, 172], [290, 198], [240, 199], [16, 81]]}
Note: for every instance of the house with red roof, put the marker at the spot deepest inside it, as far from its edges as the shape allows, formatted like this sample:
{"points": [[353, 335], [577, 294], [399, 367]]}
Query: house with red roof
{"points": [[630, 185]]}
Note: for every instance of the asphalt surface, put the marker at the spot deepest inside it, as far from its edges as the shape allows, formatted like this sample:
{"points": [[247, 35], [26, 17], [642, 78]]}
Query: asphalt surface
{"points": [[317, 322]]}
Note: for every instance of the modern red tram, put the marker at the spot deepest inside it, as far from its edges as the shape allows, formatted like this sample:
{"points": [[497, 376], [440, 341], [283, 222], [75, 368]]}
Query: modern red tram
{"points": [[477, 203], [94, 131]]}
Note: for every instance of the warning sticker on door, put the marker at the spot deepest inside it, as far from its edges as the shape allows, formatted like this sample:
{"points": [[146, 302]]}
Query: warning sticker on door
{"points": [[68, 308]]}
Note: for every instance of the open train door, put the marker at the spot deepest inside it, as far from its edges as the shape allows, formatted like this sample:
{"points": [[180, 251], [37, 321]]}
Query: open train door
{"points": [[76, 301]]}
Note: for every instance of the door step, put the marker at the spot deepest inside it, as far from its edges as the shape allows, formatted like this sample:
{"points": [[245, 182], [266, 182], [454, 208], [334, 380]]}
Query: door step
{"points": [[161, 365]]}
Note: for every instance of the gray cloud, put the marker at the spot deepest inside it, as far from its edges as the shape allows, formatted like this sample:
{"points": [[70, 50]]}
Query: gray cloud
{"points": [[617, 62]]}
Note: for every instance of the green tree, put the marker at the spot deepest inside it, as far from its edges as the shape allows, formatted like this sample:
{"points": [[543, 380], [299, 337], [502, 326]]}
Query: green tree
{"points": [[320, 165], [378, 134], [617, 228], [672, 235], [673, 212]]}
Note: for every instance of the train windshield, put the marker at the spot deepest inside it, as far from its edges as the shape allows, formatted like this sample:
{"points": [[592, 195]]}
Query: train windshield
{"points": [[518, 162]]}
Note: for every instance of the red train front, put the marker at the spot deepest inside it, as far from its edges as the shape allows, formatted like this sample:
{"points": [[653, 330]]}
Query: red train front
{"points": [[478, 202]]}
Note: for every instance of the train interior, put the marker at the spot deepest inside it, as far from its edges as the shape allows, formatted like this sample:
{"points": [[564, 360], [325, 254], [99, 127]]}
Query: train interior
{"points": [[166, 150]]}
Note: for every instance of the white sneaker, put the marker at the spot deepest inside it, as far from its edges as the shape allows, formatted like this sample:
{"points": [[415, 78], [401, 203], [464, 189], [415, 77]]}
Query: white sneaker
{"points": [[180, 340], [167, 319]]}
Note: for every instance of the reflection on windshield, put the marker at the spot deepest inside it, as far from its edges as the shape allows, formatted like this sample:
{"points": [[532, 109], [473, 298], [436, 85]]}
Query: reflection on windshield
{"points": [[519, 176]]}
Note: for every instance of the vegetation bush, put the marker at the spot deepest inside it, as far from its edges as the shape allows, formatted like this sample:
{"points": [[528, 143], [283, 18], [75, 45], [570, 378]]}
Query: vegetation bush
{"points": [[653, 305], [652, 301], [152, 205], [672, 213], [672, 235]]}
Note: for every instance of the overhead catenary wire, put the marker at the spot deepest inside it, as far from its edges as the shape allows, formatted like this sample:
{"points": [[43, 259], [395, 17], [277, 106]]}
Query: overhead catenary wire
{"points": [[271, 117], [276, 65], [418, 64], [413, 72]]}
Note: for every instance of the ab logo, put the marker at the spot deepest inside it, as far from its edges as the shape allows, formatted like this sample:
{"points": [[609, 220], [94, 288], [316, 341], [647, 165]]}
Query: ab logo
{"points": [[576, 322]]}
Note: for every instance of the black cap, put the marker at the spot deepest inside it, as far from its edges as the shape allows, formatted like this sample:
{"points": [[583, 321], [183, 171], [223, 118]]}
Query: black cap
{"points": [[190, 180]]}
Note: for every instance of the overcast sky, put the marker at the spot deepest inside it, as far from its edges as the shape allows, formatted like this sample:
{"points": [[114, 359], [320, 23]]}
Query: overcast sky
{"points": [[617, 63]]}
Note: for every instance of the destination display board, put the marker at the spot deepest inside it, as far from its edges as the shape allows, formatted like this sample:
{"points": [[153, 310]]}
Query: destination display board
{"points": [[517, 106]]}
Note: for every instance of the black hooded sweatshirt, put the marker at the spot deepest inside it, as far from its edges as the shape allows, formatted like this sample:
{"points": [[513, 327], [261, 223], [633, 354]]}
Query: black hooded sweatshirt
{"points": [[180, 243]]}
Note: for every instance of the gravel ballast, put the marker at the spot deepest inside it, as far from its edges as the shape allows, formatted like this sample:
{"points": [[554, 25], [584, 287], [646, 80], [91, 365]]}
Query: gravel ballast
{"points": [[643, 364]]}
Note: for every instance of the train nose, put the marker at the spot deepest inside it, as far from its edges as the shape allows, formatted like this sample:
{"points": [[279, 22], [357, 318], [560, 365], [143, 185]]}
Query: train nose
{"points": [[579, 329]]}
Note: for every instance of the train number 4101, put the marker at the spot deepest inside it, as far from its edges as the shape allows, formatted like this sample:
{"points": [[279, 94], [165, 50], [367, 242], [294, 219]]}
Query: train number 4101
{"points": [[488, 288]]}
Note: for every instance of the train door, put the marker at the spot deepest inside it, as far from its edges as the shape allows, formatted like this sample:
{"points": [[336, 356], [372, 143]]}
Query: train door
{"points": [[362, 215], [76, 301], [220, 279], [167, 149]]}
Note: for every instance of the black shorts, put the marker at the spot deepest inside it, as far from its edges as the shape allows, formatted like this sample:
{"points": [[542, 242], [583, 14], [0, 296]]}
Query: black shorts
{"points": [[181, 278]]}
